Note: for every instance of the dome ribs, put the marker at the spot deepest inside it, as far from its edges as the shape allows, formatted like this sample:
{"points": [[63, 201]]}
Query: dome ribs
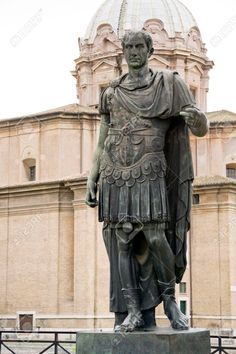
{"points": [[132, 14], [171, 23], [123, 10], [179, 15]]}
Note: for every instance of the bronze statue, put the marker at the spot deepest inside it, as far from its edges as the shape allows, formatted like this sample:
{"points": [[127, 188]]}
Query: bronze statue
{"points": [[143, 168]]}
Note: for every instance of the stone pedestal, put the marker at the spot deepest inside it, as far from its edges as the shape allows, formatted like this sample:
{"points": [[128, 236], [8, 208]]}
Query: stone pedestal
{"points": [[161, 341]]}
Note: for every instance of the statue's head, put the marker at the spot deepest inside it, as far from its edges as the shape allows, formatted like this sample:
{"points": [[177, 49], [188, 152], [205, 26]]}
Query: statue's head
{"points": [[137, 48]]}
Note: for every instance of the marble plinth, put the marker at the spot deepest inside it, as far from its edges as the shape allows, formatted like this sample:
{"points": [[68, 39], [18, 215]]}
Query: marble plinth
{"points": [[161, 341]]}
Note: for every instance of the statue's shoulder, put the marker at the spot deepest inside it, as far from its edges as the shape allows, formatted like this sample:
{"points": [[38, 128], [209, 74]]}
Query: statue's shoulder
{"points": [[108, 93], [111, 86], [116, 82], [169, 73], [173, 77], [104, 100]]}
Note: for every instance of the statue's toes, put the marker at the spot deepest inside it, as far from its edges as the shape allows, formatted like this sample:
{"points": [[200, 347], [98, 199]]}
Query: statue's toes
{"points": [[117, 328], [139, 324], [131, 325], [180, 325], [127, 328]]}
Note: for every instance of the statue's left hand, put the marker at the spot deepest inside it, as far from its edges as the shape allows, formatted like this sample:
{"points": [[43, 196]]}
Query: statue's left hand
{"points": [[192, 116]]}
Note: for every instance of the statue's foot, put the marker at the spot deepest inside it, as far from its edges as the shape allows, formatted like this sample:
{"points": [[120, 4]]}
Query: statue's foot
{"points": [[119, 318], [177, 319], [132, 322], [117, 328]]}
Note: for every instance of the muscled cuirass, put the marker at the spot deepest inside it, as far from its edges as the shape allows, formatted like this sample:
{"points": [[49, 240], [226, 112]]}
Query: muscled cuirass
{"points": [[133, 162], [133, 135], [134, 145]]}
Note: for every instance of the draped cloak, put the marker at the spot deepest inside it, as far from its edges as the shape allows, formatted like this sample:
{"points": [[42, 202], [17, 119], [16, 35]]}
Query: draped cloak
{"points": [[164, 96]]}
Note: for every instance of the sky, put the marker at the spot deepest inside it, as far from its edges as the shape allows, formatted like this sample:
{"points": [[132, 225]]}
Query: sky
{"points": [[39, 43]]}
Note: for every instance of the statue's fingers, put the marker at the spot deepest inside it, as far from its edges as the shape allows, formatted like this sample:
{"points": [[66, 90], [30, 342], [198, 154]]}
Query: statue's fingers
{"points": [[184, 114], [187, 117], [188, 114], [190, 109], [91, 190], [91, 204], [93, 195], [191, 120]]}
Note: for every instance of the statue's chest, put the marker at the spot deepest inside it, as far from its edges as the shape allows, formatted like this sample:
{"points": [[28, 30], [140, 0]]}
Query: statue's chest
{"points": [[131, 136], [119, 116]]}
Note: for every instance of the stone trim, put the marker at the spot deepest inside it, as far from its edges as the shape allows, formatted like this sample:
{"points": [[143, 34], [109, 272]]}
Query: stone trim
{"points": [[70, 111], [106, 317], [43, 186], [213, 183], [213, 317], [61, 190]]}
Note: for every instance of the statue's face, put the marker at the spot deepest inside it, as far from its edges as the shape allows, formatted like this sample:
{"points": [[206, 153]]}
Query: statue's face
{"points": [[136, 51]]}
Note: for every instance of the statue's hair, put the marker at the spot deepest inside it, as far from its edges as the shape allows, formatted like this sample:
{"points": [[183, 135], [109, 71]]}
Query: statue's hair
{"points": [[146, 36]]}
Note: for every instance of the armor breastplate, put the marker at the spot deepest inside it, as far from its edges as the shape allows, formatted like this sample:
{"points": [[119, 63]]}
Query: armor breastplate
{"points": [[128, 145], [130, 136], [132, 167]]}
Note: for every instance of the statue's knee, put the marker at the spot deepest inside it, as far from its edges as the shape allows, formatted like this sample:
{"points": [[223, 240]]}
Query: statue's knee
{"points": [[156, 242]]}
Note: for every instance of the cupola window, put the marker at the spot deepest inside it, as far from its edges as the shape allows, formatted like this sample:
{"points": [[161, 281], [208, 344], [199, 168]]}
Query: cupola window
{"points": [[231, 171], [30, 169]]}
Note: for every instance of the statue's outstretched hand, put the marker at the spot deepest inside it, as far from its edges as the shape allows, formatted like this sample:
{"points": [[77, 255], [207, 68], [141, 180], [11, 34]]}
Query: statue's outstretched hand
{"points": [[192, 116], [91, 199], [196, 120]]}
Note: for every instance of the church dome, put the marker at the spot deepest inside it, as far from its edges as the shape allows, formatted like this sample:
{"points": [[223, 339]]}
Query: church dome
{"points": [[176, 39], [123, 15]]}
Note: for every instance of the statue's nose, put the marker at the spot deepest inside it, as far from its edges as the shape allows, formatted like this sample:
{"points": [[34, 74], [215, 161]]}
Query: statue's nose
{"points": [[134, 53]]}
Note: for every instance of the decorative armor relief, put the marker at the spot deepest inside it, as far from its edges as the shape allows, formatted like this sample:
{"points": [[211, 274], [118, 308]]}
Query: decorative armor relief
{"points": [[149, 167]]}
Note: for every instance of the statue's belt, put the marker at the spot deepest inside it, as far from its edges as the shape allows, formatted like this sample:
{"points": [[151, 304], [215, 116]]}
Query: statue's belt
{"points": [[139, 140], [128, 130]]}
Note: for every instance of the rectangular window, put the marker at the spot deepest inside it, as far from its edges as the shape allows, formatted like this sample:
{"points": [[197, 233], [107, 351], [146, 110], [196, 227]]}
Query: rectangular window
{"points": [[25, 322], [231, 172], [196, 199], [32, 173], [183, 288], [183, 306]]}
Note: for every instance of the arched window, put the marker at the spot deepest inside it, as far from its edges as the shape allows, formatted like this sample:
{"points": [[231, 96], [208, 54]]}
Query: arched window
{"points": [[231, 170], [30, 169]]}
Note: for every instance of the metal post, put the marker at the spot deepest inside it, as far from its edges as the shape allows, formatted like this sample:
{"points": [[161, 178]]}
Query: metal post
{"points": [[56, 342], [220, 345], [0, 342]]}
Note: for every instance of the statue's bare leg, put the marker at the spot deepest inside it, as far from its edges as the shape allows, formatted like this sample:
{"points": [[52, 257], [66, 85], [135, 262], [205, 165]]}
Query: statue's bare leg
{"points": [[164, 265], [129, 282]]}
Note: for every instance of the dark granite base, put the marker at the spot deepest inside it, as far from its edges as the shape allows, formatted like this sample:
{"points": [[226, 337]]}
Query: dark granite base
{"points": [[161, 341]]}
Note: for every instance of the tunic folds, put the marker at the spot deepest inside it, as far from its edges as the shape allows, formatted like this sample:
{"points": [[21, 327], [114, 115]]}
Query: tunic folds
{"points": [[134, 194]]}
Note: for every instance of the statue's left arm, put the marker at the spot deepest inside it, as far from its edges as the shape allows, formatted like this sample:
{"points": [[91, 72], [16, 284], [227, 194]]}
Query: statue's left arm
{"points": [[185, 105]]}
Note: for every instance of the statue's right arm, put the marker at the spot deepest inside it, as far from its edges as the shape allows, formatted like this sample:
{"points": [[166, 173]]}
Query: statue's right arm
{"points": [[91, 199]]}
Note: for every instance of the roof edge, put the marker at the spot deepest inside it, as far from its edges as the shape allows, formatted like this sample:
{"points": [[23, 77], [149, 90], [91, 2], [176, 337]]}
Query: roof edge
{"points": [[214, 180]]}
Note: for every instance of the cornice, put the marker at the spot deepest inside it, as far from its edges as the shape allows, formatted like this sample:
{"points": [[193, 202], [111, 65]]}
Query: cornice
{"points": [[33, 188], [211, 183], [37, 120]]}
